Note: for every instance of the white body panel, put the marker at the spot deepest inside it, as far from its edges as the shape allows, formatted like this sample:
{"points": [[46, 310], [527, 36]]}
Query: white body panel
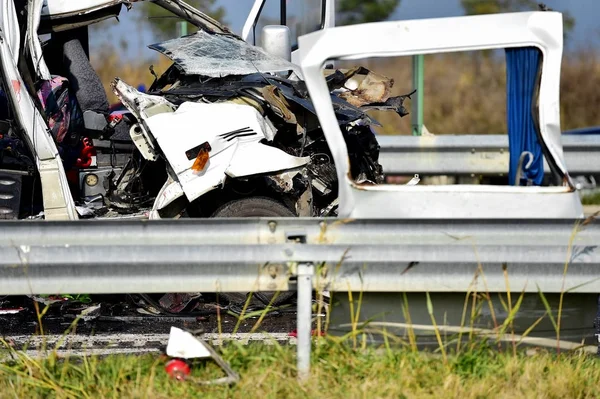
{"points": [[10, 27], [33, 41], [251, 20], [465, 202], [58, 203], [232, 154], [405, 38], [64, 8], [169, 192]]}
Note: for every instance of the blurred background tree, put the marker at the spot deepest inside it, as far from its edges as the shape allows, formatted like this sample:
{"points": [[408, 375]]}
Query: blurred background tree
{"points": [[461, 96], [164, 24], [361, 11], [476, 7]]}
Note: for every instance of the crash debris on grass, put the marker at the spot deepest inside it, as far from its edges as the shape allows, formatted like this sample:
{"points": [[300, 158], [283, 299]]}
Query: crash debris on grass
{"points": [[183, 347]]}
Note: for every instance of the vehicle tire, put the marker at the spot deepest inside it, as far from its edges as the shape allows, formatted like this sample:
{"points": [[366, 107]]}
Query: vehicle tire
{"points": [[255, 207]]}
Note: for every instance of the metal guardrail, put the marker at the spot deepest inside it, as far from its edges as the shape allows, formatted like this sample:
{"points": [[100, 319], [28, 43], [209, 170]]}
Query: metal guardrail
{"points": [[261, 254], [475, 154], [220, 255]]}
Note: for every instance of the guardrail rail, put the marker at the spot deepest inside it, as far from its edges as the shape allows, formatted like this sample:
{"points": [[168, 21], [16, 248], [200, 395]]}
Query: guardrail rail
{"points": [[221, 255], [478, 154]]}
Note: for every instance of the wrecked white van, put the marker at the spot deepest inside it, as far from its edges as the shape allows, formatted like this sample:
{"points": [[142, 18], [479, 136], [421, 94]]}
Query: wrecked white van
{"points": [[227, 130], [231, 129]]}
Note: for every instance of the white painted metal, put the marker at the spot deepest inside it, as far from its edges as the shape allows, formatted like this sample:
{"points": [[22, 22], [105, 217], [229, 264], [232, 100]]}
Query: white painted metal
{"points": [[169, 192], [276, 41], [329, 21], [64, 8], [231, 155], [143, 144], [192, 124], [10, 27], [33, 41], [141, 106], [251, 20], [404, 38], [58, 203]]}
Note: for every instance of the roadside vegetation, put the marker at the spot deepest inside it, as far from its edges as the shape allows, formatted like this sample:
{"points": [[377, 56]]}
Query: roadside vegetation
{"points": [[464, 93], [338, 370], [591, 199], [466, 362]]}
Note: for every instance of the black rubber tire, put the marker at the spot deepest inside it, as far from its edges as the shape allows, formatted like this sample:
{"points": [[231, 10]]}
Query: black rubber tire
{"points": [[255, 207]]}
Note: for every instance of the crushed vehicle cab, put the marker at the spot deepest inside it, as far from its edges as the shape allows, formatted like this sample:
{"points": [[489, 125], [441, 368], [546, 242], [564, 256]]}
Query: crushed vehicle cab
{"points": [[232, 129], [228, 130]]}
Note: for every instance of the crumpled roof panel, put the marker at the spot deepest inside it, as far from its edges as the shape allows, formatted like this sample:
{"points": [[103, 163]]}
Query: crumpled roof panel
{"points": [[217, 55], [63, 8]]}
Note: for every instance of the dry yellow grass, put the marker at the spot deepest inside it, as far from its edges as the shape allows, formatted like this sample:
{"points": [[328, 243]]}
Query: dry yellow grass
{"points": [[464, 93], [108, 64]]}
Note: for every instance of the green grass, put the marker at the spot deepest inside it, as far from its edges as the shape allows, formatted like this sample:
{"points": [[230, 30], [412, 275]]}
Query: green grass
{"points": [[268, 371]]}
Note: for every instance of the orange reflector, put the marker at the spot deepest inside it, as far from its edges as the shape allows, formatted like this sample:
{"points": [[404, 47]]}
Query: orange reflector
{"points": [[201, 160]]}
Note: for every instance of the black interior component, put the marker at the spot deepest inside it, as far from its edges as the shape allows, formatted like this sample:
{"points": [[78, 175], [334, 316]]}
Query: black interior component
{"points": [[16, 174], [10, 193], [193, 153], [121, 132], [4, 126], [556, 175], [4, 107]]}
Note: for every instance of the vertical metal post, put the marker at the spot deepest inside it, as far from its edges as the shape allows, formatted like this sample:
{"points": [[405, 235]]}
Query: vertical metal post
{"points": [[182, 28], [418, 71], [304, 318], [283, 14]]}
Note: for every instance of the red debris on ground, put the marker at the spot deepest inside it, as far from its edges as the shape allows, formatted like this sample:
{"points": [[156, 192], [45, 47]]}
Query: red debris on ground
{"points": [[178, 369]]}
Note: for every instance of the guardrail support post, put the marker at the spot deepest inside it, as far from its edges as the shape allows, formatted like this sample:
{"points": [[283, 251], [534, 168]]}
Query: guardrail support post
{"points": [[418, 71], [304, 318]]}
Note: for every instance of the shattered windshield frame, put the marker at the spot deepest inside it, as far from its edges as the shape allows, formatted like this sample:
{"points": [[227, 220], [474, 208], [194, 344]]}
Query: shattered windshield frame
{"points": [[218, 56]]}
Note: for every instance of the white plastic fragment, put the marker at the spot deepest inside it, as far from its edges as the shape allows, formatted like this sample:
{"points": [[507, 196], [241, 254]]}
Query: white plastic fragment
{"points": [[184, 345]]}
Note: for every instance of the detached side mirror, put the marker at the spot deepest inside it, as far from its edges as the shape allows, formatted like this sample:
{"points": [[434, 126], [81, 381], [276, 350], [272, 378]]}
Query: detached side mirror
{"points": [[276, 40]]}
